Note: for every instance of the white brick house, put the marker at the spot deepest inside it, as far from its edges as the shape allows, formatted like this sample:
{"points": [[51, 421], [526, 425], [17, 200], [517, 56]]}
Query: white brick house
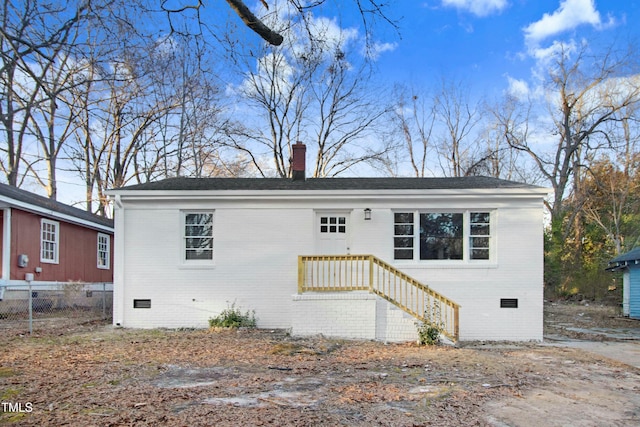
{"points": [[188, 248]]}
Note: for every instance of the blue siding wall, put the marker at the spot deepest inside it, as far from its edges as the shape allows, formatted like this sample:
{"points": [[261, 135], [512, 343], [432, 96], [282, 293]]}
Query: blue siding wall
{"points": [[634, 291]]}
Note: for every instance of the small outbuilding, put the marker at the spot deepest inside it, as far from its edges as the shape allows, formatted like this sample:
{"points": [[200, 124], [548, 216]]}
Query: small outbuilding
{"points": [[629, 264]]}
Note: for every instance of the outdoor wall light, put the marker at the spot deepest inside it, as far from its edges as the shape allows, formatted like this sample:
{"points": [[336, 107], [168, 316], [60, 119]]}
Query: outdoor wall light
{"points": [[367, 214]]}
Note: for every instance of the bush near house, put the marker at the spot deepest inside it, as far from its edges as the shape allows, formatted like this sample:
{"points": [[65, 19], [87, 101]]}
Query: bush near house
{"points": [[233, 317]]}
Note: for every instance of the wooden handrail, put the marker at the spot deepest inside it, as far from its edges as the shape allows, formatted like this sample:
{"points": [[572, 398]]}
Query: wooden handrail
{"points": [[335, 273]]}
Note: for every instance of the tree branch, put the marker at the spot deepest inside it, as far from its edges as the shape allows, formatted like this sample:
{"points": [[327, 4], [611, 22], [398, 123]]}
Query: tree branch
{"points": [[254, 23]]}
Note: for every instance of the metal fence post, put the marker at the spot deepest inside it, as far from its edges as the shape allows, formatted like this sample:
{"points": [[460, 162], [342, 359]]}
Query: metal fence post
{"points": [[104, 300], [30, 309]]}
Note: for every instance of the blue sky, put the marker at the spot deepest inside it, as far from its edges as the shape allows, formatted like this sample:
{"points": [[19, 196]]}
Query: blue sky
{"points": [[495, 45]]}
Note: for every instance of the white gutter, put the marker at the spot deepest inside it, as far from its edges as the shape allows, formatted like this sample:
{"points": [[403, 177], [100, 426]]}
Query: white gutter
{"points": [[321, 194]]}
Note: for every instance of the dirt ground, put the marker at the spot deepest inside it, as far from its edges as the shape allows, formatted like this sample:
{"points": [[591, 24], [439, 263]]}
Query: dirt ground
{"points": [[94, 375]]}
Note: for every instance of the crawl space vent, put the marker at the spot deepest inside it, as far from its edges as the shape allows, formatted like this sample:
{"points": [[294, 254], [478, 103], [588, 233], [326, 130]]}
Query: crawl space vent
{"points": [[509, 303], [141, 303]]}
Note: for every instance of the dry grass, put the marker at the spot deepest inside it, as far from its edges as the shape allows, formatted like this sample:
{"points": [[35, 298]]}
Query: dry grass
{"points": [[95, 375]]}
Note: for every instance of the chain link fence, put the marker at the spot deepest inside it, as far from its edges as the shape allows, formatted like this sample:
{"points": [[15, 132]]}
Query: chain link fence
{"points": [[32, 307]]}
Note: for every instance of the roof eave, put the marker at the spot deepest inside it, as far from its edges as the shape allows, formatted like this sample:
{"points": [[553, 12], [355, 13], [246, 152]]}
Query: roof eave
{"points": [[319, 194], [54, 214], [621, 265]]}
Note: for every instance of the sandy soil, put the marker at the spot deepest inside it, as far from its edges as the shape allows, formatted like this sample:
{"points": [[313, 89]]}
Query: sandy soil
{"points": [[583, 389], [93, 375]]}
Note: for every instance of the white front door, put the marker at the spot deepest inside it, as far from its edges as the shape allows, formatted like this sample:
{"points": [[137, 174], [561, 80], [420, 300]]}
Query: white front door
{"points": [[332, 233]]}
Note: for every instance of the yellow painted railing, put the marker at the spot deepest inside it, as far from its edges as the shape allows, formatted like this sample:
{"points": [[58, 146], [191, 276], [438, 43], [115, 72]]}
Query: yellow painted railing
{"points": [[335, 273]]}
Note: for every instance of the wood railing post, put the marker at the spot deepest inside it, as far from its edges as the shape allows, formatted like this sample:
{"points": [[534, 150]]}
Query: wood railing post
{"points": [[370, 273], [300, 275], [456, 322]]}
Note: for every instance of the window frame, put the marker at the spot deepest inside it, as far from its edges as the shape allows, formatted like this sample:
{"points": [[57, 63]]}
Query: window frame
{"points": [[476, 236], [55, 259], [184, 236], [106, 250], [332, 224], [467, 237], [403, 242]]}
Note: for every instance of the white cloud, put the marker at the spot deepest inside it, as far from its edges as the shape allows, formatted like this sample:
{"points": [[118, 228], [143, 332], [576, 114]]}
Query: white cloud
{"points": [[377, 49], [477, 7], [327, 33], [166, 46], [568, 16], [334, 36], [518, 88], [544, 55], [545, 62]]}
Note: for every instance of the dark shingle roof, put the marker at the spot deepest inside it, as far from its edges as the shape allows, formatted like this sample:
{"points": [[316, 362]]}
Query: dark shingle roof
{"points": [[622, 260], [193, 184], [23, 196]]}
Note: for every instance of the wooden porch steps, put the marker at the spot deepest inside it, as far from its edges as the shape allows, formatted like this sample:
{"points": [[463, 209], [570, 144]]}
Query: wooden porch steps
{"points": [[341, 273]]}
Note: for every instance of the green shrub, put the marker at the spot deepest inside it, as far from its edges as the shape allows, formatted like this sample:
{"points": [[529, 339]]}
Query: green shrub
{"points": [[428, 334], [233, 317], [431, 327]]}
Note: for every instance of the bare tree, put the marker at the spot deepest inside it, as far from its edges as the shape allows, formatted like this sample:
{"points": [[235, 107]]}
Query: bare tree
{"points": [[84, 153], [414, 117], [50, 123], [345, 110], [445, 129], [279, 97], [584, 94], [507, 127], [311, 89], [187, 141], [458, 145], [369, 10], [117, 116], [36, 42]]}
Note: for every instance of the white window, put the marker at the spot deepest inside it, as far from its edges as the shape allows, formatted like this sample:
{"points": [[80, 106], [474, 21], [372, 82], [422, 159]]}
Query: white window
{"points": [[198, 236], [442, 235], [479, 235], [403, 235], [333, 224], [49, 241], [104, 251]]}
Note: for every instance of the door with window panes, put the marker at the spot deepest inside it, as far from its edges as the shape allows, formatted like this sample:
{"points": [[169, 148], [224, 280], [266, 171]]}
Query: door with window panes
{"points": [[332, 233]]}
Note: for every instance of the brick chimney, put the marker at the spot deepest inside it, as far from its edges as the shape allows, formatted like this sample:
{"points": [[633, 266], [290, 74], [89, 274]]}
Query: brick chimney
{"points": [[298, 164]]}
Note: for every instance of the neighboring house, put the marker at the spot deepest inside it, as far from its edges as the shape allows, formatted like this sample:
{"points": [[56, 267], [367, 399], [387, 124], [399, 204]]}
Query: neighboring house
{"points": [[48, 243], [290, 249], [629, 264]]}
